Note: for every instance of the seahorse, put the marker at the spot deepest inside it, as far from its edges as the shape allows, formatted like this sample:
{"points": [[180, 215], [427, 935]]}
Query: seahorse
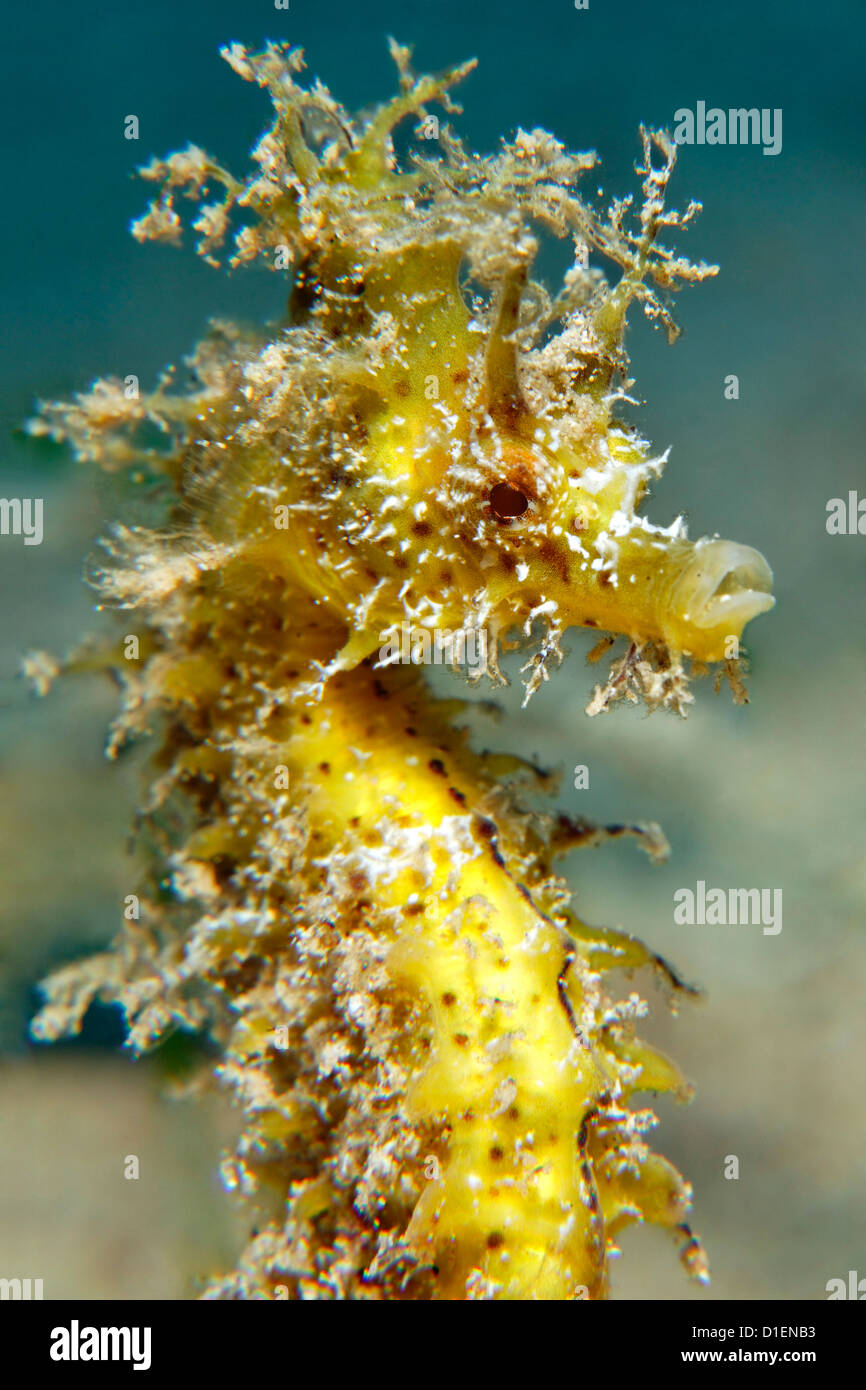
{"points": [[359, 909]]}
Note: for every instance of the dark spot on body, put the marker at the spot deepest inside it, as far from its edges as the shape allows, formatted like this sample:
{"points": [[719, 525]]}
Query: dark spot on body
{"points": [[457, 796], [461, 1039], [402, 388], [496, 1153], [449, 999], [583, 1132], [495, 1240], [436, 765], [240, 981], [554, 557], [414, 909], [325, 768], [421, 528]]}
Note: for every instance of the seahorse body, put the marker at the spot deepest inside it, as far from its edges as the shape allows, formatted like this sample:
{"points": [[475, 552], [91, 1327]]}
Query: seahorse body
{"points": [[435, 1084]]}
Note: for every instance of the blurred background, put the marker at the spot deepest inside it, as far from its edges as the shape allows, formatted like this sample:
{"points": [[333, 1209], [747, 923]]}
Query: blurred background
{"points": [[766, 796]]}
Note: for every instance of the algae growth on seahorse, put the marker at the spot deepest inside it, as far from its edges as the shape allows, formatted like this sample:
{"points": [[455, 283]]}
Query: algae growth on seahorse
{"points": [[355, 906]]}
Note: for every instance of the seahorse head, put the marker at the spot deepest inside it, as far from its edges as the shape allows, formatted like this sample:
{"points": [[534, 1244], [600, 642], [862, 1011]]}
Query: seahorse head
{"points": [[467, 466], [473, 513]]}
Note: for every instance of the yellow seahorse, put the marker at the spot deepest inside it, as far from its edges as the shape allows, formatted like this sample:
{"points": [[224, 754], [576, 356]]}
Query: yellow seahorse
{"points": [[423, 457]]}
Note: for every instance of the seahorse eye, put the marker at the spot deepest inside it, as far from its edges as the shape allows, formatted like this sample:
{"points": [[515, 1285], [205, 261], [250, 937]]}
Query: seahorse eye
{"points": [[507, 502]]}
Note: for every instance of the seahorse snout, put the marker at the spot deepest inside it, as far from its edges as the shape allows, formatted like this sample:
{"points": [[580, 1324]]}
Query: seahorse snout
{"points": [[722, 587]]}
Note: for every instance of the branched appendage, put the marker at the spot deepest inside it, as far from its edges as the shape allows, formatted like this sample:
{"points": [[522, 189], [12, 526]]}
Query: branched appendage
{"points": [[436, 1085], [650, 673]]}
